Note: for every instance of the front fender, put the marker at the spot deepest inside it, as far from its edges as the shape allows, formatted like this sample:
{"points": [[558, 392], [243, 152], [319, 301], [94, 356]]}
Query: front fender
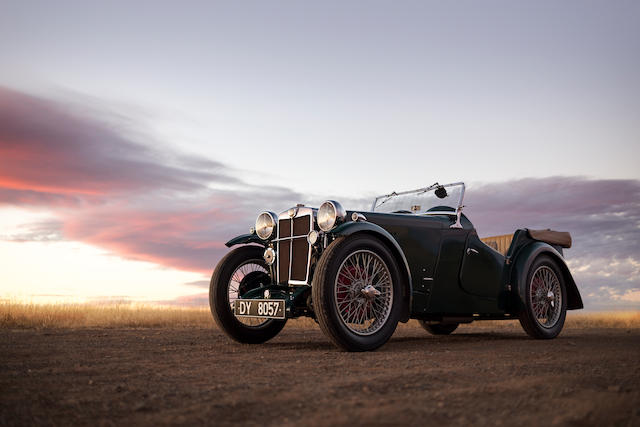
{"points": [[522, 264], [350, 228], [244, 239]]}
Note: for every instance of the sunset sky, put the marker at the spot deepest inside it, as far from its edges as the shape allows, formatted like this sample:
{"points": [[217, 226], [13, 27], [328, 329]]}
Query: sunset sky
{"points": [[137, 137]]}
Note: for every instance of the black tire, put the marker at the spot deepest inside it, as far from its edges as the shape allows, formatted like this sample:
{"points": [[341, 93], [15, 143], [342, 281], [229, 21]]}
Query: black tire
{"points": [[219, 298], [529, 319], [438, 328], [325, 296]]}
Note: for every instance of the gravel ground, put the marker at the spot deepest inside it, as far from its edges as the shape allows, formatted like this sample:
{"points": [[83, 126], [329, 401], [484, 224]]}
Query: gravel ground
{"points": [[478, 375]]}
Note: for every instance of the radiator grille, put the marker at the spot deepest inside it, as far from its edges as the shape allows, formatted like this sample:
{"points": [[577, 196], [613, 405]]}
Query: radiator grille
{"points": [[294, 251]]}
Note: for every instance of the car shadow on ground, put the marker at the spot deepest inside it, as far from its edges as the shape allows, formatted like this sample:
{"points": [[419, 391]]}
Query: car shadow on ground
{"points": [[457, 339], [486, 336], [301, 344], [320, 343]]}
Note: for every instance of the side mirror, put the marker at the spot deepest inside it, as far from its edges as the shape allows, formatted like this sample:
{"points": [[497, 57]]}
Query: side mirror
{"points": [[441, 192]]}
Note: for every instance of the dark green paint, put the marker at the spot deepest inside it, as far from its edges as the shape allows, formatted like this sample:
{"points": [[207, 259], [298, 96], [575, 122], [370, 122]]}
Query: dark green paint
{"points": [[294, 297], [435, 253], [442, 278], [524, 256], [482, 268], [244, 239], [387, 236]]}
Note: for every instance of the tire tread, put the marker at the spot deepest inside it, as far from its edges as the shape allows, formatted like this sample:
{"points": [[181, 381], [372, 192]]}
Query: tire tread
{"points": [[527, 321], [219, 306], [321, 293]]}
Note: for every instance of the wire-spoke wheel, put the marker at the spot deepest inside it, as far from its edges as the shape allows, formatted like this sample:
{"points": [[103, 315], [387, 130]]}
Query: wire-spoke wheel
{"points": [[363, 292], [545, 305], [246, 277], [545, 296], [356, 293], [239, 272]]}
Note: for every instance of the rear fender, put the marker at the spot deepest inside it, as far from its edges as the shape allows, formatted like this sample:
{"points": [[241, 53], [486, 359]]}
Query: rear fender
{"points": [[521, 265], [351, 228]]}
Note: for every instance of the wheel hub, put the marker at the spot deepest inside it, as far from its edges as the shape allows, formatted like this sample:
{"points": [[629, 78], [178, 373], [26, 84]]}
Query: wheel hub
{"points": [[551, 298], [546, 297], [370, 292], [363, 292]]}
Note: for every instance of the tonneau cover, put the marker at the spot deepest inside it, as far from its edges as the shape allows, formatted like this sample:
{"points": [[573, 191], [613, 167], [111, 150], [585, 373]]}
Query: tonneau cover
{"points": [[560, 238]]}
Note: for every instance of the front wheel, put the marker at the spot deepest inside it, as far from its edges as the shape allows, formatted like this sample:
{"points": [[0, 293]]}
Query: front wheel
{"points": [[357, 293], [240, 271], [545, 300]]}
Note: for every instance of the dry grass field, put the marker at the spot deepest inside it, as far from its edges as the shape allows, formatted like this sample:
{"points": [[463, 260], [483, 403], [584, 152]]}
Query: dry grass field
{"points": [[42, 316], [28, 315]]}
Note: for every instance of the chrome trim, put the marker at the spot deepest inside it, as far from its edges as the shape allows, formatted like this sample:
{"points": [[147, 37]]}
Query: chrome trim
{"points": [[364, 298], [370, 292], [357, 216], [313, 235], [269, 256], [289, 238], [448, 213], [424, 190], [341, 214], [457, 224], [301, 211], [274, 218], [545, 299]]}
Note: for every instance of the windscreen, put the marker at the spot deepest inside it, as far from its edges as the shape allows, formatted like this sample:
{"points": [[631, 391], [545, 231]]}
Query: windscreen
{"points": [[421, 201]]}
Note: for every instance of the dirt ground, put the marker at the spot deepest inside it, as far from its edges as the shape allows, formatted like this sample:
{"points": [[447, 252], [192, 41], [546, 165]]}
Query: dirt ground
{"points": [[480, 376]]}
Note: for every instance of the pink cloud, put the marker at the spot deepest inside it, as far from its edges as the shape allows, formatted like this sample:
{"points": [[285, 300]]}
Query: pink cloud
{"points": [[185, 239], [46, 149], [155, 205], [114, 192]]}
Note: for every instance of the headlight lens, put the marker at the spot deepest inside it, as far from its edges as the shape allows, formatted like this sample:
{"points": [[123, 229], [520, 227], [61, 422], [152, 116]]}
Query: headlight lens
{"points": [[330, 214], [312, 237], [266, 225]]}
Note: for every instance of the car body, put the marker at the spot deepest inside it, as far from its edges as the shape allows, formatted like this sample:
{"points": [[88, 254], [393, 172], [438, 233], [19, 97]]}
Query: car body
{"points": [[413, 255]]}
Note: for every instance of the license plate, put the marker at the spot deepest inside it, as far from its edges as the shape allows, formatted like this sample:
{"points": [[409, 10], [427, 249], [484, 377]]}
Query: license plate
{"points": [[263, 308]]}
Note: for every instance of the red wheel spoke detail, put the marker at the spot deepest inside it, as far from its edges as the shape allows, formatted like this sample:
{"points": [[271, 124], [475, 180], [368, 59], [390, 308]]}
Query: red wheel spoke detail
{"points": [[362, 312], [545, 296]]}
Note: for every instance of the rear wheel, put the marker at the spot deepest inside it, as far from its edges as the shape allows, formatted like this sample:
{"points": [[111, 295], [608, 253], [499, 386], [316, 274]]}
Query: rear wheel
{"points": [[357, 293], [239, 272], [438, 328], [545, 300]]}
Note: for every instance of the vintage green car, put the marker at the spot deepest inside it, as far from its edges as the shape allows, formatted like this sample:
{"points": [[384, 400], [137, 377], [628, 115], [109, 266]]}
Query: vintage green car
{"points": [[415, 255]]}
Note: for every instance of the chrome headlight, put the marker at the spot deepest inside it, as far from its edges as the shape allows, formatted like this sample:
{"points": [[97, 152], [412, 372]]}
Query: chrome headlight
{"points": [[330, 214], [266, 225]]}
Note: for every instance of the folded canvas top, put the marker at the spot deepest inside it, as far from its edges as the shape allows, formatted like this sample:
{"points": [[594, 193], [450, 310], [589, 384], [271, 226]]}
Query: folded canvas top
{"points": [[560, 238]]}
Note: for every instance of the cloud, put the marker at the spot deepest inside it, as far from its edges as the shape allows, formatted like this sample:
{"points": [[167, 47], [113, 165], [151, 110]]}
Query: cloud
{"points": [[41, 231], [200, 284], [603, 217], [143, 201], [631, 295], [198, 300], [48, 151], [109, 190], [186, 237], [597, 212]]}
